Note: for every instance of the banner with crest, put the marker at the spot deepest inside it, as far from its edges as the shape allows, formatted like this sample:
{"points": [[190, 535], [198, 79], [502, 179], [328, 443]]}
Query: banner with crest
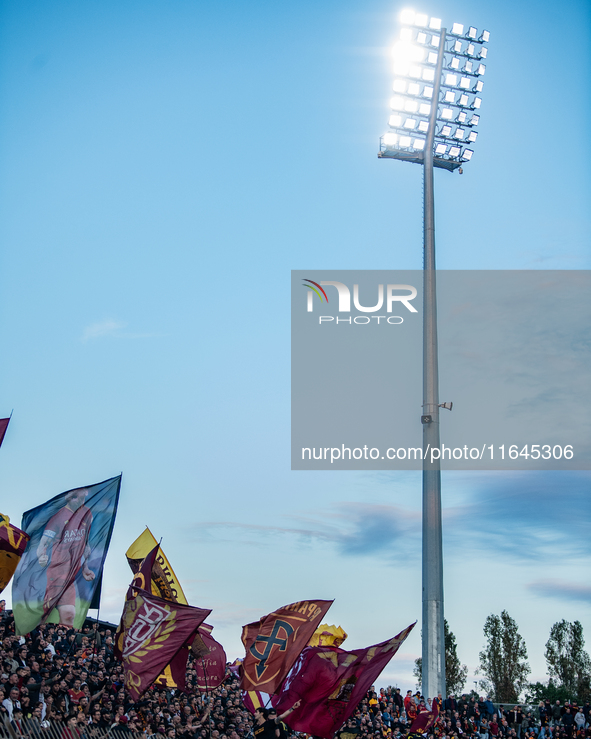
{"points": [[274, 643], [153, 634], [154, 572]]}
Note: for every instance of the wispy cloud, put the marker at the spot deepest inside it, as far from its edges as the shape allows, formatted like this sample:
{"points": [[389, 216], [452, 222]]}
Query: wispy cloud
{"points": [[525, 515], [561, 589], [101, 329], [518, 516], [113, 329], [356, 529]]}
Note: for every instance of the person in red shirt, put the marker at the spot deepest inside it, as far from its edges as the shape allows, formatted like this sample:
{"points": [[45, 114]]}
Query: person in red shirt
{"points": [[66, 535], [76, 693], [493, 726], [408, 700]]}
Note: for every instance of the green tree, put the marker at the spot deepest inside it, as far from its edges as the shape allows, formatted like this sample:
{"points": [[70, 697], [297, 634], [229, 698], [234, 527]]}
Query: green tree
{"points": [[455, 673], [503, 660], [568, 662], [537, 692]]}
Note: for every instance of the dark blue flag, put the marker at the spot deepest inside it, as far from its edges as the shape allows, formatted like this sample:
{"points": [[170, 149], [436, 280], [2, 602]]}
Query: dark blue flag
{"points": [[59, 575]]}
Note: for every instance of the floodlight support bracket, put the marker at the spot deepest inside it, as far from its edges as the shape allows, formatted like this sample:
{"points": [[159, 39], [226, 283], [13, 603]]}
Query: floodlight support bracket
{"points": [[433, 642]]}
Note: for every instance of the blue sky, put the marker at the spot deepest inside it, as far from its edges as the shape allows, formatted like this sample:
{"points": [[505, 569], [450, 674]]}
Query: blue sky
{"points": [[164, 167]]}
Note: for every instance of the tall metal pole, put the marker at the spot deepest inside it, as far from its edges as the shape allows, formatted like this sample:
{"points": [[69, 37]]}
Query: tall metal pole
{"points": [[433, 669]]}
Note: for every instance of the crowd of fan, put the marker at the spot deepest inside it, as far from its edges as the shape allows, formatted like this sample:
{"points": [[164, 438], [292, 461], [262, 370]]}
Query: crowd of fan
{"points": [[387, 714], [59, 677]]}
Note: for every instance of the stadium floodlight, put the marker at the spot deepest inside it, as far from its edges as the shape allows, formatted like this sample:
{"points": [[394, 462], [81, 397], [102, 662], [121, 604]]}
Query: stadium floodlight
{"points": [[437, 91]]}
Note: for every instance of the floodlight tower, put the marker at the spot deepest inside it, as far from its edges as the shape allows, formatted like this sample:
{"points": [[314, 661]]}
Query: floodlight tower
{"points": [[437, 81]]}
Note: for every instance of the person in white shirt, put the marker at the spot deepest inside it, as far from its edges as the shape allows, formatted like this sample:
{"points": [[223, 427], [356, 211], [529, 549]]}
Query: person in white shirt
{"points": [[12, 702]]}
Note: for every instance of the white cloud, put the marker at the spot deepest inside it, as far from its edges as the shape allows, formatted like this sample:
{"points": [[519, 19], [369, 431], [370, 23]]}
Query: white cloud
{"points": [[102, 328]]}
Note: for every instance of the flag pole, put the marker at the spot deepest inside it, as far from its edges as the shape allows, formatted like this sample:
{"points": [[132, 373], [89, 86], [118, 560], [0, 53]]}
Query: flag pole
{"points": [[206, 691]]}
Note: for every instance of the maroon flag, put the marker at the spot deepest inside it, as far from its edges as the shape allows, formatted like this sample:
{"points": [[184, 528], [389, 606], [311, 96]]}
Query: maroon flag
{"points": [[3, 426], [274, 643], [142, 577], [210, 667], [425, 720], [330, 682], [153, 634]]}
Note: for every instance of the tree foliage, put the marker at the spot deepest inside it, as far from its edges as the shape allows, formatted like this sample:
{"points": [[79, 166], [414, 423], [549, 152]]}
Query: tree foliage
{"points": [[568, 662], [537, 692], [503, 661], [455, 672]]}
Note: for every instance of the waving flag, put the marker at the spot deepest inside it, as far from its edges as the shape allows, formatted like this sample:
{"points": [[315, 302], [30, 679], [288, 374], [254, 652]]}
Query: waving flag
{"points": [[165, 583], [154, 572], [252, 700], [330, 682], [274, 643], [210, 667], [13, 542], [153, 635], [60, 572], [425, 720], [3, 426]]}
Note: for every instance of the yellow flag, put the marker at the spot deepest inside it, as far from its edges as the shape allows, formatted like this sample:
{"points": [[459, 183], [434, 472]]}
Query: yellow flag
{"points": [[164, 582], [12, 545], [327, 636]]}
